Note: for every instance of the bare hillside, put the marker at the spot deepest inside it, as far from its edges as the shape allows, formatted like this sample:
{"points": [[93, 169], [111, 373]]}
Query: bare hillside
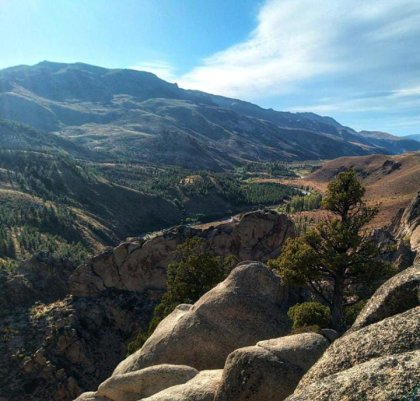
{"points": [[392, 181]]}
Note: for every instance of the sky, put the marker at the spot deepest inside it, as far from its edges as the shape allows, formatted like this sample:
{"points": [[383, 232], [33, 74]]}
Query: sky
{"points": [[357, 61]]}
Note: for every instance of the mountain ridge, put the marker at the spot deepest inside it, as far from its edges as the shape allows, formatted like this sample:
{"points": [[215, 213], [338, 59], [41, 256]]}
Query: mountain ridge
{"points": [[415, 137], [121, 113]]}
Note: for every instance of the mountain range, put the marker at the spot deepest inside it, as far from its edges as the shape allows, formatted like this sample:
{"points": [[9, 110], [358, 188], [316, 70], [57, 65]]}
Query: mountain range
{"points": [[108, 115]]}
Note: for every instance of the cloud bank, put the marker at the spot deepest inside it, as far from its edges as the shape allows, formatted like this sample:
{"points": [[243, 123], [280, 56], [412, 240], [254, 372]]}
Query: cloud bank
{"points": [[297, 41], [160, 68], [347, 58]]}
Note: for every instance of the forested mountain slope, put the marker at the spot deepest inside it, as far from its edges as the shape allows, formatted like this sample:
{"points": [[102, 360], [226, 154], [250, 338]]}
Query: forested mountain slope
{"points": [[52, 201]]}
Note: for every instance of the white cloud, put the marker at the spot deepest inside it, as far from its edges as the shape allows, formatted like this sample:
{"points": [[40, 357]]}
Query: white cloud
{"points": [[415, 91], [162, 69], [298, 41], [408, 99], [279, 52]]}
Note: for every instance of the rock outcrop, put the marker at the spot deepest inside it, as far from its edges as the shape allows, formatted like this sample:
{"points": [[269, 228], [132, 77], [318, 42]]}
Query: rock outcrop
{"points": [[378, 359], [214, 333], [141, 264], [386, 378], [270, 370], [407, 225], [143, 383], [398, 294], [244, 308]]}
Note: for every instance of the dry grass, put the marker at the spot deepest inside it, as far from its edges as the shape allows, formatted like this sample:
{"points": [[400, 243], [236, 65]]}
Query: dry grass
{"points": [[392, 189]]}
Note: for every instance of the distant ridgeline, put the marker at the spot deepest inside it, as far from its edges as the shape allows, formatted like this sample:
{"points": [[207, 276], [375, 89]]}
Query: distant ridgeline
{"points": [[114, 114]]}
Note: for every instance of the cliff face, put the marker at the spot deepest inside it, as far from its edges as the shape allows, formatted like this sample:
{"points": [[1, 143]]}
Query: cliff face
{"points": [[141, 264], [407, 224]]}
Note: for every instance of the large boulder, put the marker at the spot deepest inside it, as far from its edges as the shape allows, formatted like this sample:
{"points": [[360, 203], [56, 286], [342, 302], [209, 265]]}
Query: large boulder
{"points": [[270, 370], [387, 378], [398, 294], [202, 387], [140, 264], [143, 383], [378, 358], [243, 309], [393, 335]]}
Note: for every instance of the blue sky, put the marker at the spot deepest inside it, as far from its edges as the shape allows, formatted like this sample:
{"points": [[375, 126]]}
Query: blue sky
{"points": [[357, 61]]}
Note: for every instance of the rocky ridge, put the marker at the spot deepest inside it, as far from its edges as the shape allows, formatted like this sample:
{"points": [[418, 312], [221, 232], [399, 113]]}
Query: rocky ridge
{"points": [[377, 359], [210, 335], [140, 264]]}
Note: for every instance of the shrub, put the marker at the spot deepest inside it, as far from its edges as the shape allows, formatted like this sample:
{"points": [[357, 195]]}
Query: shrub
{"points": [[309, 314]]}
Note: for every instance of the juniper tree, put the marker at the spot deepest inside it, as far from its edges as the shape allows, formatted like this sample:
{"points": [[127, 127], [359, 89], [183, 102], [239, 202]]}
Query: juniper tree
{"points": [[195, 270], [337, 258]]}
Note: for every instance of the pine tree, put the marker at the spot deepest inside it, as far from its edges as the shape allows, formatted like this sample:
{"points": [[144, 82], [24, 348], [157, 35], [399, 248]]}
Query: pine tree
{"points": [[336, 259]]}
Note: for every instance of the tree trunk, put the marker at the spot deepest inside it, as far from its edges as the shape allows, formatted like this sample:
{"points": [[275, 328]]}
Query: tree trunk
{"points": [[337, 304]]}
